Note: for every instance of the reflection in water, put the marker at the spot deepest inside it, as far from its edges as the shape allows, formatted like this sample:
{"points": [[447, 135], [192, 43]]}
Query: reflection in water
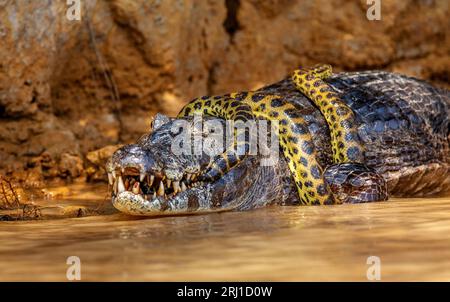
{"points": [[411, 236]]}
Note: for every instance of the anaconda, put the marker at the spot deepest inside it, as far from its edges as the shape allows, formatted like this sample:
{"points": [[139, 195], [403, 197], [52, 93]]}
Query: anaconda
{"points": [[347, 137]]}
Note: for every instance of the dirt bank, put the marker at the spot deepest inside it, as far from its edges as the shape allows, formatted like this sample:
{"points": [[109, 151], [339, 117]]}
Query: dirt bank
{"points": [[71, 87]]}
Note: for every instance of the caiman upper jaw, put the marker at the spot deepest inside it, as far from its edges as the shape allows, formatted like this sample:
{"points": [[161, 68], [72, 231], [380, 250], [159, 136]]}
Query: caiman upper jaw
{"points": [[149, 185], [132, 169]]}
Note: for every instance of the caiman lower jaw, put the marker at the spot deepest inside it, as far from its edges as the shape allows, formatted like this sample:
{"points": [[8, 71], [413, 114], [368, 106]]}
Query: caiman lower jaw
{"points": [[134, 204], [154, 190]]}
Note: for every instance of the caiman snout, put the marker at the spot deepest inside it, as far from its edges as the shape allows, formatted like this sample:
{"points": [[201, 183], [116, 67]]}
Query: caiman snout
{"points": [[134, 169]]}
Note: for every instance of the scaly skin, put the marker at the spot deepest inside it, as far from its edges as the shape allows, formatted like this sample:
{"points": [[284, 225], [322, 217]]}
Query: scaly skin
{"points": [[345, 142], [295, 139], [401, 123], [229, 109]]}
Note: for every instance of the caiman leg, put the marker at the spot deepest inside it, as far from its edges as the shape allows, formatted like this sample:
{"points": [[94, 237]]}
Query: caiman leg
{"points": [[229, 109]]}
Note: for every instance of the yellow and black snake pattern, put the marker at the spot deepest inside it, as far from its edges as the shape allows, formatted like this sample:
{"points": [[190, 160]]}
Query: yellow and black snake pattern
{"points": [[340, 118], [295, 138], [230, 109]]}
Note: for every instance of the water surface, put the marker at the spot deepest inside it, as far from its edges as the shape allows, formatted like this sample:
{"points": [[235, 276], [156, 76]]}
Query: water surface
{"points": [[410, 236]]}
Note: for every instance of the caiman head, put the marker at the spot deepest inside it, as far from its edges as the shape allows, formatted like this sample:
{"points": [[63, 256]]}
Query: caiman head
{"points": [[156, 177]]}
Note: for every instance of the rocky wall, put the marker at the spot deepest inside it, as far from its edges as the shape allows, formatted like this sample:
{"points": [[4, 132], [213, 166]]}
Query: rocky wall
{"points": [[68, 87]]}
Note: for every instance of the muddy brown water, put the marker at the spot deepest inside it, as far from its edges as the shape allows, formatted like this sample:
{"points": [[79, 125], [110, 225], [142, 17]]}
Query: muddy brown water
{"points": [[411, 237]]}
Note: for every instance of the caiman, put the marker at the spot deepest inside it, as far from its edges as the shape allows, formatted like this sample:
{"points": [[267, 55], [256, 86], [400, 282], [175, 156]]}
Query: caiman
{"points": [[349, 137]]}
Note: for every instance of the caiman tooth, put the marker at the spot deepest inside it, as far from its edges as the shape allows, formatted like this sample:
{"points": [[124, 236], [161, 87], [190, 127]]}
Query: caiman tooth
{"points": [[154, 195], [183, 187], [168, 183], [161, 189], [110, 179], [123, 170], [115, 187], [193, 177], [120, 185], [176, 186], [141, 177], [136, 188], [151, 180], [113, 173]]}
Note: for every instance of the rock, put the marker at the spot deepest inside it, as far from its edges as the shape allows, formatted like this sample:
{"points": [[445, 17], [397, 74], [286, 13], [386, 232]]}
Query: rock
{"points": [[99, 157], [97, 161], [75, 211], [70, 166], [76, 86]]}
